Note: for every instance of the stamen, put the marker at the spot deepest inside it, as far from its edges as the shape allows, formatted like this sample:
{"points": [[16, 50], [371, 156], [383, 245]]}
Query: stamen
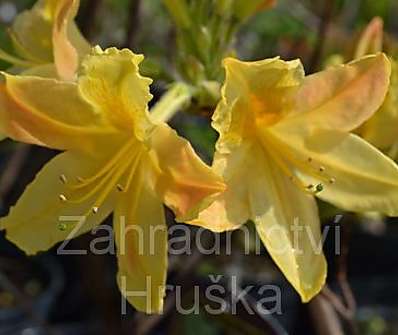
{"points": [[134, 161], [280, 153], [285, 168], [108, 166], [63, 179], [110, 174], [321, 168], [62, 197], [95, 189], [132, 171], [315, 189], [109, 181], [286, 152], [107, 178]]}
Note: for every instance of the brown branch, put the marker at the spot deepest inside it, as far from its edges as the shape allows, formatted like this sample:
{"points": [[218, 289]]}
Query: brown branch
{"points": [[87, 18], [344, 305], [322, 34], [344, 312], [133, 22], [323, 315], [342, 269], [341, 276]]}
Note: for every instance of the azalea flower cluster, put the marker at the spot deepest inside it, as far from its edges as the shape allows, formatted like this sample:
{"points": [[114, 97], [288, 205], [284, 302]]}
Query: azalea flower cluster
{"points": [[285, 139], [380, 129]]}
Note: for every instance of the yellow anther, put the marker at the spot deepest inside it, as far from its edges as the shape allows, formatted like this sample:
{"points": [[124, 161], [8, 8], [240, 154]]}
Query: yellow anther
{"points": [[63, 179]]}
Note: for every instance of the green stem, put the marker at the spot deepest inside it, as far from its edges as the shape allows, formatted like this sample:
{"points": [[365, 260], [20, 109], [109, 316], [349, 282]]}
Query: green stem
{"points": [[15, 60], [176, 98]]}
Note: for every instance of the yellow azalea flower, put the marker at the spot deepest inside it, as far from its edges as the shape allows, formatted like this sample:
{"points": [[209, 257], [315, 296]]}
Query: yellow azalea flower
{"points": [[382, 128], [284, 139], [371, 39], [46, 36], [115, 159]]}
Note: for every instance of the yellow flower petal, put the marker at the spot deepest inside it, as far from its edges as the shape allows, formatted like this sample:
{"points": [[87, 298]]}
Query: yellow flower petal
{"points": [[112, 84], [343, 97], [290, 229], [371, 40], [231, 208], [381, 129], [285, 217], [43, 217], [141, 239], [284, 137], [32, 33], [216, 217], [47, 33], [44, 71], [53, 10], [59, 119], [355, 175], [186, 184], [66, 57], [254, 92]]}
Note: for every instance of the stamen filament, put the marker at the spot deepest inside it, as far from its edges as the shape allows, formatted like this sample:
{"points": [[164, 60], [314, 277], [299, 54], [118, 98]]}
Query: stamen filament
{"points": [[318, 173], [285, 168], [110, 178], [132, 171], [63, 179], [107, 168], [101, 198]]}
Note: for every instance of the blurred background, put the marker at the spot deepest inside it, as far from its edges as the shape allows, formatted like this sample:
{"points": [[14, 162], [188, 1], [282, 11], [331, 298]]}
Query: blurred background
{"points": [[55, 294]]}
